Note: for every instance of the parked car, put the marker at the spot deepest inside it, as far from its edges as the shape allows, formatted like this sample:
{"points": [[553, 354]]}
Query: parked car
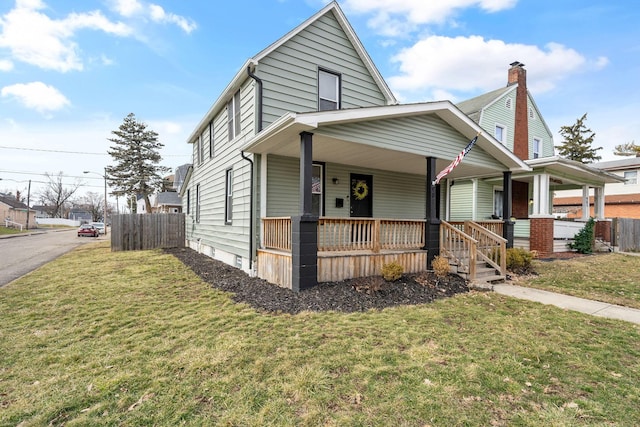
{"points": [[88, 230], [100, 226]]}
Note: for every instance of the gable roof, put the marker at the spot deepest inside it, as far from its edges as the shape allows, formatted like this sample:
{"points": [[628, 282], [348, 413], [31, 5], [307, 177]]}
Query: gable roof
{"points": [[474, 106], [12, 202], [252, 62]]}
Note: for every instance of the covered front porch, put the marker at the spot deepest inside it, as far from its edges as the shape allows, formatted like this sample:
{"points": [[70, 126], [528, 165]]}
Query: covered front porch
{"points": [[359, 247], [341, 193]]}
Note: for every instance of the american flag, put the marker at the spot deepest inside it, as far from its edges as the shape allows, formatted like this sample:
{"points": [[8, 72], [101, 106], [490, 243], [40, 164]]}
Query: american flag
{"points": [[446, 171]]}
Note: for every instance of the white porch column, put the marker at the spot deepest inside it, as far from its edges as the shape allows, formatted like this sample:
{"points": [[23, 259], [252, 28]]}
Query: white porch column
{"points": [[585, 203], [541, 195], [598, 202]]}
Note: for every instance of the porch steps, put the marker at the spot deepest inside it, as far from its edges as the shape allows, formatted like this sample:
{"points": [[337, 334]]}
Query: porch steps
{"points": [[484, 273]]}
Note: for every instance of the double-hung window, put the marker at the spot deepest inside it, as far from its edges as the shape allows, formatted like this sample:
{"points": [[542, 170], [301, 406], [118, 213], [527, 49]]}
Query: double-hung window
{"points": [[536, 147], [228, 202], [498, 198], [198, 203], [328, 90], [500, 133], [233, 116], [189, 202], [211, 139], [317, 184]]}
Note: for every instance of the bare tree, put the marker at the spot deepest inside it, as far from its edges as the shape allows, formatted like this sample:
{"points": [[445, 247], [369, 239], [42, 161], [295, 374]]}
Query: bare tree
{"points": [[56, 196], [94, 203]]}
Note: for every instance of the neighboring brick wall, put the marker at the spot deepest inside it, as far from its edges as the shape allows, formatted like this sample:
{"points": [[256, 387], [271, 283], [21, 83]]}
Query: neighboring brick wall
{"points": [[603, 230], [541, 236]]}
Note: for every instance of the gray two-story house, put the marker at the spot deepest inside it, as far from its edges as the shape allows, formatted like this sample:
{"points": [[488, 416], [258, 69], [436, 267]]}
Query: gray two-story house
{"points": [[306, 169]]}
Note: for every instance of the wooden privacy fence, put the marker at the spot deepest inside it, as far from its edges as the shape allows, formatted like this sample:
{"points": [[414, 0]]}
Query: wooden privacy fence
{"points": [[626, 234], [147, 231]]}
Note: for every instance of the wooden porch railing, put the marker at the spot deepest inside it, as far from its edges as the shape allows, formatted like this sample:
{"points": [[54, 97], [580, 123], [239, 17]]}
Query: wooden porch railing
{"points": [[495, 226], [459, 248], [473, 242], [350, 234], [277, 233], [491, 247]]}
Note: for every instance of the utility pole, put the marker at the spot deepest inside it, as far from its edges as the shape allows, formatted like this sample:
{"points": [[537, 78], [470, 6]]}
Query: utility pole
{"points": [[28, 203]]}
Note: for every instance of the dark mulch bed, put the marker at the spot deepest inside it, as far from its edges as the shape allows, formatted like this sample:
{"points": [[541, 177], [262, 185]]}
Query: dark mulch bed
{"points": [[348, 296]]}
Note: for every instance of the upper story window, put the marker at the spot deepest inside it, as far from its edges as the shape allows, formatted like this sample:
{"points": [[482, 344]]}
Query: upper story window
{"points": [[631, 177], [200, 148], [328, 90], [233, 116], [500, 133], [536, 147]]}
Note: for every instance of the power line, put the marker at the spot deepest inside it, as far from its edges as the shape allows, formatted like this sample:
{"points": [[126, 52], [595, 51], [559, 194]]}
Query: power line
{"points": [[75, 152]]}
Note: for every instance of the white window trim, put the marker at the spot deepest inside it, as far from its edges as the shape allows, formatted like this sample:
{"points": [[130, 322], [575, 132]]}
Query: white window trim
{"points": [[504, 133], [630, 181], [228, 197], [338, 92], [497, 188], [234, 116], [533, 151]]}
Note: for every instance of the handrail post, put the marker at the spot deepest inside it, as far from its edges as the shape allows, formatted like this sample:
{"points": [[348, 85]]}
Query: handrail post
{"points": [[376, 236]]}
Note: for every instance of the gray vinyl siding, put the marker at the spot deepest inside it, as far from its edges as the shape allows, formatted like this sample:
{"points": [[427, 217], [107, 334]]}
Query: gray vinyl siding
{"points": [[498, 114], [461, 201], [211, 175], [484, 202], [423, 135], [400, 196], [290, 73]]}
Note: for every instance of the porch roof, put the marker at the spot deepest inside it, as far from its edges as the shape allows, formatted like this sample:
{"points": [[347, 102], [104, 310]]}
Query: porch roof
{"points": [[568, 174], [282, 138]]}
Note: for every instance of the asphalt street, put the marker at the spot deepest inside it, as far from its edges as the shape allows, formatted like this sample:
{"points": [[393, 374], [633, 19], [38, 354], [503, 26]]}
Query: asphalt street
{"points": [[24, 253]]}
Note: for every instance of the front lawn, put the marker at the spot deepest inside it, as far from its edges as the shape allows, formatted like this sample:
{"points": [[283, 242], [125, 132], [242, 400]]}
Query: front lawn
{"points": [[612, 278], [6, 231], [134, 338]]}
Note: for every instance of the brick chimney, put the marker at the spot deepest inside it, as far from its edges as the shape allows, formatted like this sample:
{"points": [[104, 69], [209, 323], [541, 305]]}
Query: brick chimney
{"points": [[518, 75]]}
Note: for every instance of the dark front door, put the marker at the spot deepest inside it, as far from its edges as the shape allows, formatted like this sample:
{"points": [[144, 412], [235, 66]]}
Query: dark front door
{"points": [[361, 196]]}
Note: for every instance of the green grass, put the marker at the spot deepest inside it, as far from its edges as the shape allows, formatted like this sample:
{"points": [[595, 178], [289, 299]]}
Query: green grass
{"points": [[142, 341], [6, 231], [611, 278]]}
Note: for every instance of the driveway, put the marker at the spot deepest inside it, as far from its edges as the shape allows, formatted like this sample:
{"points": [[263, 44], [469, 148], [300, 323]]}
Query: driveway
{"points": [[24, 253]]}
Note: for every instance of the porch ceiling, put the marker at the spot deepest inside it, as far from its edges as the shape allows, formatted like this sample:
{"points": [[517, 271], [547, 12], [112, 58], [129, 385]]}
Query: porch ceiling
{"points": [[283, 138]]}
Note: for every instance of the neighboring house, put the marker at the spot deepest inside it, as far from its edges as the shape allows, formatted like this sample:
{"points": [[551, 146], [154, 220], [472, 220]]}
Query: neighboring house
{"points": [[512, 116], [14, 213], [80, 214], [180, 175], [42, 211], [167, 202], [622, 199]]}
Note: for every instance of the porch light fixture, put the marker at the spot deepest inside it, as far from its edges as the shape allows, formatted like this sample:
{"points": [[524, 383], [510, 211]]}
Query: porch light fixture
{"points": [[336, 181], [530, 201]]}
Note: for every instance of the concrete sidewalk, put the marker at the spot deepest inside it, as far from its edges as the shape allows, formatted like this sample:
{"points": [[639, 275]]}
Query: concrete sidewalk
{"points": [[595, 308]]}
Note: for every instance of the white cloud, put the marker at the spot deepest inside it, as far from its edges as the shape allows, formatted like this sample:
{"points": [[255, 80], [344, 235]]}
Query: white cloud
{"points": [[158, 14], [472, 64], [127, 8], [6, 65], [132, 8], [394, 17], [37, 96], [34, 38]]}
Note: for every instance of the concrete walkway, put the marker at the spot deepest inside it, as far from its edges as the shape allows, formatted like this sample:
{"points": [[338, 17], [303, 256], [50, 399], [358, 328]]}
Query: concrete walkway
{"points": [[595, 308]]}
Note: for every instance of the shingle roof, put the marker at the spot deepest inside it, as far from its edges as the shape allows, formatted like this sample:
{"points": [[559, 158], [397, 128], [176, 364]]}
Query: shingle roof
{"points": [[472, 107], [11, 201], [168, 198]]}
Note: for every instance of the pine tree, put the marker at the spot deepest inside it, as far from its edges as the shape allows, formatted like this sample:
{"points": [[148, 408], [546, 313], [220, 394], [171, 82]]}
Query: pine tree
{"points": [[577, 142], [627, 149], [136, 156]]}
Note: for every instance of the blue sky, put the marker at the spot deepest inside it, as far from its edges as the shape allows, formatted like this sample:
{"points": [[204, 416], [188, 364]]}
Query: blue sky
{"points": [[71, 71]]}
